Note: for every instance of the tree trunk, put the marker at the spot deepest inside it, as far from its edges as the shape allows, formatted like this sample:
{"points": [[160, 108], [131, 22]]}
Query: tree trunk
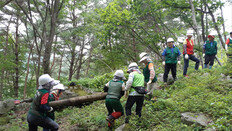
{"points": [[16, 82], [80, 59], [89, 60], [202, 24], [73, 54], [196, 28], [60, 66], [216, 26], [223, 24], [28, 63], [47, 54], [78, 100]]}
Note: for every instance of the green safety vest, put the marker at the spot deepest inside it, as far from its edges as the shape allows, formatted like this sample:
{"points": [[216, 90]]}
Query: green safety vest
{"points": [[35, 105], [137, 81], [230, 43], [171, 57], [115, 88], [146, 73], [211, 50]]}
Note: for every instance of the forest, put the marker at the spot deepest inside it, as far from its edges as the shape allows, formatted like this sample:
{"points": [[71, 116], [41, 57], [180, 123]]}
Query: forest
{"points": [[86, 41]]}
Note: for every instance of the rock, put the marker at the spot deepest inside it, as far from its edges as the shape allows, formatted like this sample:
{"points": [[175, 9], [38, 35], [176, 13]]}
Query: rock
{"points": [[68, 94], [6, 106], [120, 128], [4, 120], [223, 76], [198, 118], [160, 77], [205, 74]]}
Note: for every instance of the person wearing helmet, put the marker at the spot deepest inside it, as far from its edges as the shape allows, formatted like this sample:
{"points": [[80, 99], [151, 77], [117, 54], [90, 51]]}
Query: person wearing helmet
{"points": [[115, 90], [37, 115], [188, 53], [210, 51], [170, 57], [136, 79], [148, 72], [55, 94], [228, 46]]}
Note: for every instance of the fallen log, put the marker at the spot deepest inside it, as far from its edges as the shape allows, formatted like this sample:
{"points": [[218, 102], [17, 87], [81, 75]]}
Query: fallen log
{"points": [[75, 101]]}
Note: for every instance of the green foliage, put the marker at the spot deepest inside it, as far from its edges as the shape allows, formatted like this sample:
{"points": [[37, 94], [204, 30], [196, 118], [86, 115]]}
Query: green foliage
{"points": [[97, 83]]}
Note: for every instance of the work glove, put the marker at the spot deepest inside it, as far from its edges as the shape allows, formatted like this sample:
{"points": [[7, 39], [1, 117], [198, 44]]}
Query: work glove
{"points": [[163, 63], [186, 56], [51, 109], [203, 55], [178, 62], [149, 82]]}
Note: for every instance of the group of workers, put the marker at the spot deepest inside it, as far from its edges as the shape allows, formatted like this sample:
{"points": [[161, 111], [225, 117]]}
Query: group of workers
{"points": [[41, 114], [171, 56]]}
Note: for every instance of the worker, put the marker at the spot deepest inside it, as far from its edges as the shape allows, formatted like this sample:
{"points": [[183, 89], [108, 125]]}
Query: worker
{"points": [[115, 90], [188, 53], [135, 80], [210, 51], [37, 115], [170, 56], [228, 46], [148, 72], [55, 95]]}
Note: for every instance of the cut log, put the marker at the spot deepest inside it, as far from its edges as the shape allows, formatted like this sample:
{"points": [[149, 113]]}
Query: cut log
{"points": [[75, 101]]}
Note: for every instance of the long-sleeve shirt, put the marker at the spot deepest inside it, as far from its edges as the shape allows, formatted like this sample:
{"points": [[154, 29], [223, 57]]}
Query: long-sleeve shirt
{"points": [[172, 49]]}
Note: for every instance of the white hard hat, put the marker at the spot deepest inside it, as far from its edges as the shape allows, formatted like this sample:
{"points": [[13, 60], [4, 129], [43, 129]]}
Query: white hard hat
{"points": [[119, 73], [142, 55], [170, 40], [59, 87], [189, 32], [133, 64], [44, 79]]}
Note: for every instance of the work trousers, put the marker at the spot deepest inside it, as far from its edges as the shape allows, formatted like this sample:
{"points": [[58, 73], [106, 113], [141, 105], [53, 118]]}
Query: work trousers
{"points": [[169, 67], [131, 101], [209, 59], [186, 63], [45, 122], [113, 105]]}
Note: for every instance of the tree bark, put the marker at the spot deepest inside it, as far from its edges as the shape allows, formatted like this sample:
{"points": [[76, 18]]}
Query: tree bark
{"points": [[16, 82], [47, 54], [28, 63], [89, 60], [60, 66], [73, 54], [216, 26], [195, 27], [203, 25], [78, 100], [223, 24], [80, 59]]}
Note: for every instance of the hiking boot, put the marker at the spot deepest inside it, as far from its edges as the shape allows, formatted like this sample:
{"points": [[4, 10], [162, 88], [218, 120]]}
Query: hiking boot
{"points": [[110, 119], [127, 120], [186, 76]]}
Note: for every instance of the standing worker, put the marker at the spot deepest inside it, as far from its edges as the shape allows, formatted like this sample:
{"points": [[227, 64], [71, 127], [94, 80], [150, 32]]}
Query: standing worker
{"points": [[148, 72], [228, 46], [188, 53], [115, 90], [37, 115], [170, 57], [210, 51], [55, 95], [136, 79]]}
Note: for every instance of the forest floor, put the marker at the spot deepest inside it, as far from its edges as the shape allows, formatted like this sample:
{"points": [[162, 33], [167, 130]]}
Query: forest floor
{"points": [[205, 91]]}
